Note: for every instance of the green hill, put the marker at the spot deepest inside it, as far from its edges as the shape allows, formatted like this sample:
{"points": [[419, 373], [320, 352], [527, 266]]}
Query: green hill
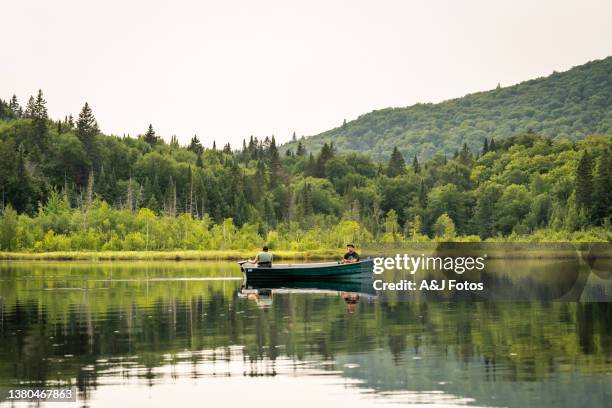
{"points": [[567, 105]]}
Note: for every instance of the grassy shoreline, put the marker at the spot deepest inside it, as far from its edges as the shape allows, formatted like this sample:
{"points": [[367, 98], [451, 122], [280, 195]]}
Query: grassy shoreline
{"points": [[514, 252], [212, 255]]}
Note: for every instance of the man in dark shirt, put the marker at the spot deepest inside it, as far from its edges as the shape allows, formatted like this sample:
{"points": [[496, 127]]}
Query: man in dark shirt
{"points": [[350, 256]]}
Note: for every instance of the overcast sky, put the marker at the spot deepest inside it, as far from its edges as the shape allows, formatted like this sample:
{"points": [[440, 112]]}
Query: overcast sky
{"points": [[225, 70]]}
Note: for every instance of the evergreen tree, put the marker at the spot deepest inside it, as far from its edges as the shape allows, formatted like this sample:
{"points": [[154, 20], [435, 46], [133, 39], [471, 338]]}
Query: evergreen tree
{"points": [[252, 148], [87, 129], [485, 147], [199, 162], [492, 146], [415, 165], [5, 111], [195, 145], [397, 164], [227, 149], [150, 137], [293, 137], [14, 107], [39, 121], [311, 166], [327, 153], [274, 164], [584, 182], [300, 150], [602, 188], [307, 208], [30, 108]]}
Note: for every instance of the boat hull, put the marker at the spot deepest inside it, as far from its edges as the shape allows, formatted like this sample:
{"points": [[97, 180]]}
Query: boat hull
{"points": [[305, 272]]}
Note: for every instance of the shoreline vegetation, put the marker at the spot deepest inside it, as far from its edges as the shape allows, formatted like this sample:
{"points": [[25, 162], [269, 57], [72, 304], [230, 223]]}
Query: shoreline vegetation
{"points": [[214, 255], [494, 250]]}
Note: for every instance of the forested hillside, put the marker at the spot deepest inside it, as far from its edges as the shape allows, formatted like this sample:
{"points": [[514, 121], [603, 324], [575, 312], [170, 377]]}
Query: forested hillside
{"points": [[66, 186], [568, 105]]}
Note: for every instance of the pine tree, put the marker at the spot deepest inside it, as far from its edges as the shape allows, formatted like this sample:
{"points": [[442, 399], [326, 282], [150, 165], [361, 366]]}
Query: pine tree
{"points": [[195, 145], [227, 149], [87, 129], [492, 146], [29, 111], [485, 147], [327, 153], [293, 137], [214, 146], [274, 164], [584, 182], [397, 164], [252, 148], [415, 165], [300, 150], [150, 137], [307, 208], [311, 166], [14, 107], [602, 188], [39, 121]]}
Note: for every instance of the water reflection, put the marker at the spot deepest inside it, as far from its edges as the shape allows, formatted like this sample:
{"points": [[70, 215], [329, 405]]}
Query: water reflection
{"points": [[144, 334]]}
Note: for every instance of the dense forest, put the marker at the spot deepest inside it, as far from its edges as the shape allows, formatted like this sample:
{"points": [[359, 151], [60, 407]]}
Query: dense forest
{"points": [[568, 105], [65, 186]]}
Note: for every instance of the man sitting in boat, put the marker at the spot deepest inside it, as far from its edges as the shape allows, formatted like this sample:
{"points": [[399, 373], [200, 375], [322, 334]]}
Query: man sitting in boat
{"points": [[264, 258], [350, 256]]}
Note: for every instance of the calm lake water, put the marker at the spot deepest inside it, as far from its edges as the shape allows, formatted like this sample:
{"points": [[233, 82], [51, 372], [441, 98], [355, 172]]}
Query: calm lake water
{"points": [[164, 333]]}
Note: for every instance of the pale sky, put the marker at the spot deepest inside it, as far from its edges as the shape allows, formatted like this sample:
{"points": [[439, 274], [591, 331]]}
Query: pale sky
{"points": [[226, 70]]}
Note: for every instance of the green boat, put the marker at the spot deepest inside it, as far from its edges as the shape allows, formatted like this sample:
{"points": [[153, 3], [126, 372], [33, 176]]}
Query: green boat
{"points": [[309, 271]]}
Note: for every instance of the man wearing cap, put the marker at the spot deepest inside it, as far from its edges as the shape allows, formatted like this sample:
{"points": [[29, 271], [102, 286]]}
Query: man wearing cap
{"points": [[350, 256]]}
